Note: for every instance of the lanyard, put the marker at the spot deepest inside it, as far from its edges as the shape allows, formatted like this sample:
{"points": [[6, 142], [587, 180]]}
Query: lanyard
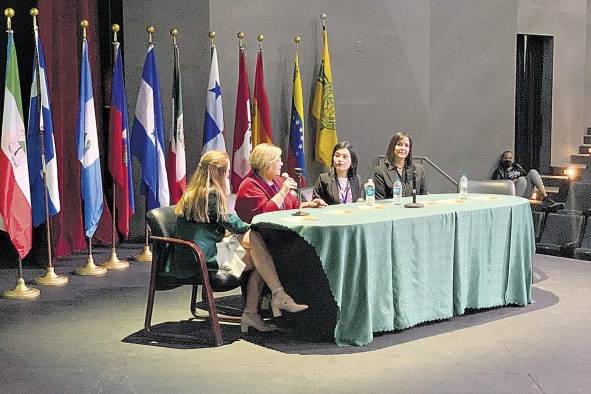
{"points": [[343, 196]]}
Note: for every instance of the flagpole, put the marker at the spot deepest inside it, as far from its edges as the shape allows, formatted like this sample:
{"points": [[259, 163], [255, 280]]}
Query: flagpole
{"points": [[114, 263], [21, 291], [50, 278], [146, 254], [90, 269]]}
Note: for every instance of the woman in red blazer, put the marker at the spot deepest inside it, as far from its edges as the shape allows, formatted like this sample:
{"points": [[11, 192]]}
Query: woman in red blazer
{"points": [[264, 190]]}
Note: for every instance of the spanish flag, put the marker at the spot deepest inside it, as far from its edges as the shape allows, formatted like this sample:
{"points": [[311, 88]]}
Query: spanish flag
{"points": [[323, 108]]}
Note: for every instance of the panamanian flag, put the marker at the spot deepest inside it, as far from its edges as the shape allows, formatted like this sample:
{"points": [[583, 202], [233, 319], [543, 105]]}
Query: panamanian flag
{"points": [[40, 125], [147, 136], [88, 151], [213, 129]]}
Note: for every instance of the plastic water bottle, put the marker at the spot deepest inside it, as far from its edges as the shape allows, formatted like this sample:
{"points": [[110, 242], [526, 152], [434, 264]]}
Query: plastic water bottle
{"points": [[397, 192], [463, 186], [370, 192]]}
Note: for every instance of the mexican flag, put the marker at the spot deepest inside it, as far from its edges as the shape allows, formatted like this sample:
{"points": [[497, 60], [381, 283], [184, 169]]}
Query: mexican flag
{"points": [[15, 196]]}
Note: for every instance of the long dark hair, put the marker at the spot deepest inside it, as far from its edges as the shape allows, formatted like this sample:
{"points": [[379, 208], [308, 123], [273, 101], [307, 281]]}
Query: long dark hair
{"points": [[390, 152], [352, 171]]}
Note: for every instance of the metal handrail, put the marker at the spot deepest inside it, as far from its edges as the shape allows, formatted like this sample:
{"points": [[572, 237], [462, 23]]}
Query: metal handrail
{"points": [[382, 158]]}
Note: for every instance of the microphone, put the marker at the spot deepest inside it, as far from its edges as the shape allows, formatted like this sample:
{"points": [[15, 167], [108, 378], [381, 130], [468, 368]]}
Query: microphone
{"points": [[411, 171], [298, 173]]}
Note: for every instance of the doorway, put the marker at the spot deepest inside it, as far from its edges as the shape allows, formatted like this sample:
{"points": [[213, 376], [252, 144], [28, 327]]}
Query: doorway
{"points": [[533, 101]]}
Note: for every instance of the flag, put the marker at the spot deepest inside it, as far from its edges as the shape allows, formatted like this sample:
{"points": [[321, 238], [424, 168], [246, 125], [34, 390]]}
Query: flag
{"points": [[241, 145], [15, 195], [147, 139], [176, 166], [323, 109], [213, 128], [295, 154], [119, 150], [88, 151], [261, 115], [40, 125]]}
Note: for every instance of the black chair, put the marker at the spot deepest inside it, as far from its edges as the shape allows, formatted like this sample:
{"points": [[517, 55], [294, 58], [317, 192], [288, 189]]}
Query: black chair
{"points": [[561, 234], [578, 201], [162, 223], [584, 251], [505, 187], [538, 218]]}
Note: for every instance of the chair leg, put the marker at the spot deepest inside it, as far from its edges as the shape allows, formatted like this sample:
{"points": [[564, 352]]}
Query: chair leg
{"points": [[193, 305], [213, 314], [149, 308]]}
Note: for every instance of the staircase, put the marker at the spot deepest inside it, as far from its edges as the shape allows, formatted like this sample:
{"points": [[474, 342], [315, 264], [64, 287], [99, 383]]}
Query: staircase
{"points": [[557, 181]]}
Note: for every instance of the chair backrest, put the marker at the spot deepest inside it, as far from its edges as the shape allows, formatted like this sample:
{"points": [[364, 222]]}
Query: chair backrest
{"points": [[586, 242], [538, 218], [504, 186], [579, 196], [562, 229], [162, 223]]}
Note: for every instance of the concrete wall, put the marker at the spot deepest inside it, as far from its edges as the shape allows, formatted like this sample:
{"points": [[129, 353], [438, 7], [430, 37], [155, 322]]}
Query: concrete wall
{"points": [[442, 70]]}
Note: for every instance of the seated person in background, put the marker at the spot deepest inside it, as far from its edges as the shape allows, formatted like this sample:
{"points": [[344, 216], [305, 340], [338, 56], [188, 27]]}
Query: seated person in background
{"points": [[263, 190], [524, 181], [341, 184], [399, 165], [203, 217]]}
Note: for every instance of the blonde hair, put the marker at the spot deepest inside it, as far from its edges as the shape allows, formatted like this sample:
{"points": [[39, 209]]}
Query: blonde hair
{"points": [[263, 155], [209, 176]]}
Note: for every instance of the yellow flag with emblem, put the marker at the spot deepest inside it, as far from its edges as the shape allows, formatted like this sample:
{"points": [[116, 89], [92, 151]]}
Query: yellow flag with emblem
{"points": [[323, 108]]}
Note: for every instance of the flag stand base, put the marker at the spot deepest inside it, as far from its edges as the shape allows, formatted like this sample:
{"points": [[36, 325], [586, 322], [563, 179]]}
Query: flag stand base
{"points": [[90, 269], [21, 291], [52, 279], [145, 256], [114, 263]]}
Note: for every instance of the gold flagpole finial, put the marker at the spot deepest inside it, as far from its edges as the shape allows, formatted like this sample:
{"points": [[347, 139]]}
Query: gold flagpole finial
{"points": [[174, 32], [323, 18], [212, 38], [115, 28], [9, 14], [84, 24], [150, 30], [260, 39], [34, 12], [297, 40], [241, 36]]}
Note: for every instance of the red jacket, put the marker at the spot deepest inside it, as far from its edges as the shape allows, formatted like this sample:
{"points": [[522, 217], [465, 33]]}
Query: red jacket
{"points": [[254, 197]]}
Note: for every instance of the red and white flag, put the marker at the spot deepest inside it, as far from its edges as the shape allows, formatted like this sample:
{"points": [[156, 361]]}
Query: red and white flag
{"points": [[15, 195], [261, 122], [242, 133]]}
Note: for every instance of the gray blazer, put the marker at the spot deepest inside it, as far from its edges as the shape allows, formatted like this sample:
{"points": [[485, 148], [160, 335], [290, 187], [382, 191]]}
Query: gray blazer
{"points": [[385, 174], [326, 188]]}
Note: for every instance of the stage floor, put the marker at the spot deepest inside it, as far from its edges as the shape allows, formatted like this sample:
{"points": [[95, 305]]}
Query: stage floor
{"points": [[86, 337]]}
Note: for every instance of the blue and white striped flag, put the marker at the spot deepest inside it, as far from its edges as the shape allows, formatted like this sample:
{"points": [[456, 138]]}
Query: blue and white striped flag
{"points": [[40, 124], [147, 136], [88, 151], [213, 129]]}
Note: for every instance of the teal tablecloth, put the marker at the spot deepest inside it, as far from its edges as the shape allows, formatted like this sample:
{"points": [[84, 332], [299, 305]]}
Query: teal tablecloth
{"points": [[391, 267]]}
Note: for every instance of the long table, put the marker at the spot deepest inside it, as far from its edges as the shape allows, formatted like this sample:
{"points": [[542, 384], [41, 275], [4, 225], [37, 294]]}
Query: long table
{"points": [[389, 267]]}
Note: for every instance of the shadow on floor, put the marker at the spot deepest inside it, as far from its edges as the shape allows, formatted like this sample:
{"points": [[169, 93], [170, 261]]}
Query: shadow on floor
{"points": [[292, 342]]}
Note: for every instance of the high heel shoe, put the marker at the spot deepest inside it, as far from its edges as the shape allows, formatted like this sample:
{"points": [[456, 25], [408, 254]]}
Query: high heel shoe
{"points": [[255, 321], [281, 300]]}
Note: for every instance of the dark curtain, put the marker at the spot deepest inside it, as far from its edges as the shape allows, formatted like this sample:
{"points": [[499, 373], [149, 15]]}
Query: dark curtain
{"points": [[528, 102], [59, 26]]}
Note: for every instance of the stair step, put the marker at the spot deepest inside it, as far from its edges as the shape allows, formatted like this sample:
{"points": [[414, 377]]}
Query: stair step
{"points": [[588, 130], [580, 158], [587, 139], [552, 189], [560, 169], [585, 148], [555, 180]]}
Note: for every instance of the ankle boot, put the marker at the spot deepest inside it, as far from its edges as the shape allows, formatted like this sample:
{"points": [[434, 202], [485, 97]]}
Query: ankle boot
{"points": [[255, 321], [281, 300]]}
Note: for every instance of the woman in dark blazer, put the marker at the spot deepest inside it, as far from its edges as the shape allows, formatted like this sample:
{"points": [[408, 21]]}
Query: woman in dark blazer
{"points": [[399, 165], [341, 184]]}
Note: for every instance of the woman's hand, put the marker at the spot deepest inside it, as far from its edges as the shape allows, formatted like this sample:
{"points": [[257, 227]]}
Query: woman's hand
{"points": [[315, 203], [288, 184]]}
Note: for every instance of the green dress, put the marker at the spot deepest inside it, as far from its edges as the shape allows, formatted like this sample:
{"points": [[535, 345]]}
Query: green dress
{"points": [[206, 235]]}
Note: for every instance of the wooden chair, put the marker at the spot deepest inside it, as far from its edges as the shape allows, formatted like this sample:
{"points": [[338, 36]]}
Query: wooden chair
{"points": [[162, 223]]}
